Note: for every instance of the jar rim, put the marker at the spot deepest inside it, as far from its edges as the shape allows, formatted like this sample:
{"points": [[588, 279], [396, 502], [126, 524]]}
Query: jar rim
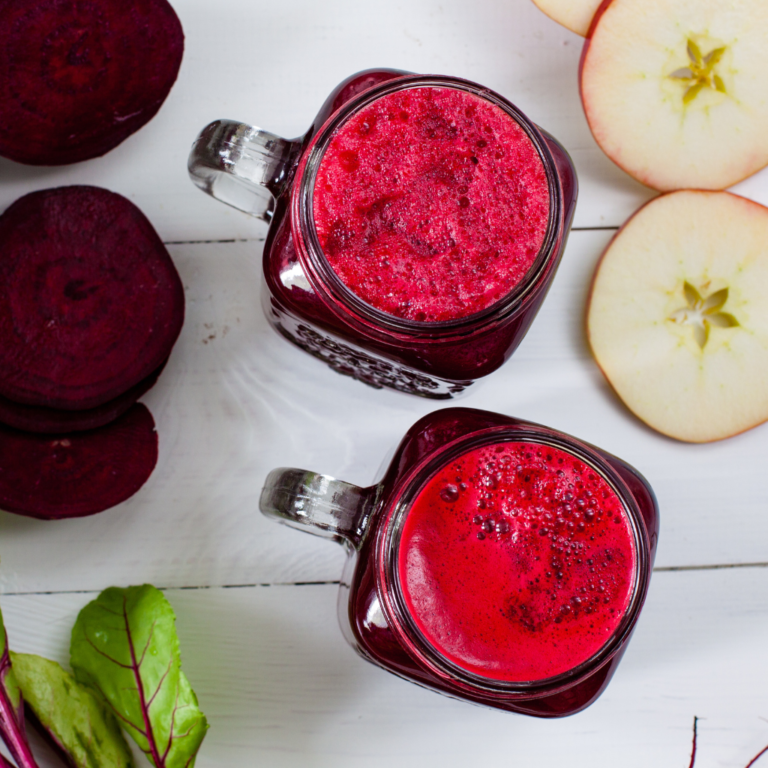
{"points": [[388, 572], [325, 280]]}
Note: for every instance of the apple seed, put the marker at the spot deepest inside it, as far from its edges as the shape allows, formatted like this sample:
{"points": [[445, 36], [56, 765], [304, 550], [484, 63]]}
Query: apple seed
{"points": [[702, 313], [700, 73]]}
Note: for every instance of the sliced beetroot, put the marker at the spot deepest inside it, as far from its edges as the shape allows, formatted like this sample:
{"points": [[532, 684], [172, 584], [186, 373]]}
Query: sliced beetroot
{"points": [[53, 477], [55, 421], [90, 301], [77, 77]]}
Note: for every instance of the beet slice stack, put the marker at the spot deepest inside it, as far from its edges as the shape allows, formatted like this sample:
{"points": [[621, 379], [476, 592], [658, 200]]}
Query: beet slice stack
{"points": [[90, 308], [78, 78], [55, 421], [53, 477]]}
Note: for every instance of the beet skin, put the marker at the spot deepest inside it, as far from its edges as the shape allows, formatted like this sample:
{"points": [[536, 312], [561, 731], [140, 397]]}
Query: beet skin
{"points": [[54, 477], [90, 301], [77, 77]]}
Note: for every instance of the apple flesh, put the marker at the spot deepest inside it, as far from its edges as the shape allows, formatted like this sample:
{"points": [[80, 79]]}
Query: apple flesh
{"points": [[677, 317], [575, 15], [675, 91]]}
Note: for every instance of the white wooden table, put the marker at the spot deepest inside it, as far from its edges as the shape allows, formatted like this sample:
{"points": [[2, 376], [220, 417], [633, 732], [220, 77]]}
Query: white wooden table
{"points": [[256, 602]]}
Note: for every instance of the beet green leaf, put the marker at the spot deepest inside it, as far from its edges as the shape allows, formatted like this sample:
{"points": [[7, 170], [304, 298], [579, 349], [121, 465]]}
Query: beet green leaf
{"points": [[125, 647], [81, 728]]}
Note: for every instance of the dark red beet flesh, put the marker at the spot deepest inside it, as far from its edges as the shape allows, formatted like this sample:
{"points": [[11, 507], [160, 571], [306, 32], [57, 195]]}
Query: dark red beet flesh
{"points": [[77, 77], [54, 421], [90, 301], [55, 476]]}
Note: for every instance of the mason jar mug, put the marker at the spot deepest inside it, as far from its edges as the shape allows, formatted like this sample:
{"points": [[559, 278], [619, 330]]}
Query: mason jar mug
{"points": [[414, 229], [497, 561]]}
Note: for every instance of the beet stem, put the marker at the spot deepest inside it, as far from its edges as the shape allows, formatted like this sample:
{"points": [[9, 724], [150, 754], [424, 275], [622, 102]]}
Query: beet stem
{"points": [[12, 719], [13, 736], [757, 757], [695, 734]]}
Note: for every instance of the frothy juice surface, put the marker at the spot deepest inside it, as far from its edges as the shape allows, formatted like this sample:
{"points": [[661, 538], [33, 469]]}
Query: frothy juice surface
{"points": [[431, 204], [517, 561]]}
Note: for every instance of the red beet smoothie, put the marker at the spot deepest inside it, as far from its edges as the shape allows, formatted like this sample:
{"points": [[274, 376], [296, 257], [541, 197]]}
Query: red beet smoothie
{"points": [[517, 562], [431, 204]]}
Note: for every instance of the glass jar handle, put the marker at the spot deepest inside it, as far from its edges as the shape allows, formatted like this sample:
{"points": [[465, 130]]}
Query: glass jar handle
{"points": [[242, 166], [317, 504]]}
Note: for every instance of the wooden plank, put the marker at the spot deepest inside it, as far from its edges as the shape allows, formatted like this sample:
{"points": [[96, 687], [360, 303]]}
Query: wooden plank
{"points": [[237, 401], [281, 688], [274, 65]]}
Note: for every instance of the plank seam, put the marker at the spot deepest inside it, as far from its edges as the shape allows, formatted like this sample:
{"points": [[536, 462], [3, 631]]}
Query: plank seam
{"points": [[717, 567], [208, 242], [192, 588], [661, 569]]}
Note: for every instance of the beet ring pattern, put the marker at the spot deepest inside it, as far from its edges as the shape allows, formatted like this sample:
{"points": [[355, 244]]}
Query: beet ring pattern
{"points": [[78, 78], [90, 301]]}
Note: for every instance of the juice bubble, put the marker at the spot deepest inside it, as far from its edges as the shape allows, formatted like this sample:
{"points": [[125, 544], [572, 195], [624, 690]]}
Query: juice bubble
{"points": [[450, 493]]}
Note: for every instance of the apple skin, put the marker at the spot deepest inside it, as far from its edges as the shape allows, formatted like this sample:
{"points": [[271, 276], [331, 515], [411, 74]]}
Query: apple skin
{"points": [[601, 9], [590, 296], [566, 19], [643, 179]]}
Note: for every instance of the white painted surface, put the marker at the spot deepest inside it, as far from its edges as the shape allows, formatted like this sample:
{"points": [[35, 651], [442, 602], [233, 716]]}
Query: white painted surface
{"points": [[279, 684]]}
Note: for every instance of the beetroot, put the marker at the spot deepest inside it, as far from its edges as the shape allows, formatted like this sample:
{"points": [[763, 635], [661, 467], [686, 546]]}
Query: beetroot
{"points": [[90, 301], [77, 77], [54, 421], [53, 477]]}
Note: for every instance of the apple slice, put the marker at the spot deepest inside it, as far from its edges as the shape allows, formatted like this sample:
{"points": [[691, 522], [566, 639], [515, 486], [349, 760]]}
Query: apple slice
{"points": [[678, 314], [675, 91], [575, 15]]}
